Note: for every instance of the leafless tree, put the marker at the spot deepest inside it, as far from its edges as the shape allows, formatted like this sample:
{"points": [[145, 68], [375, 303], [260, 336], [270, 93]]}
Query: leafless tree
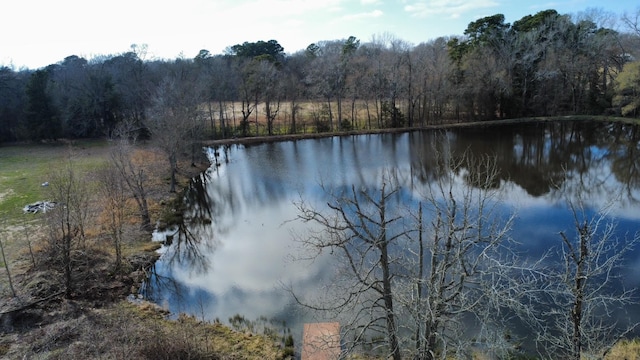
{"points": [[6, 267], [272, 91], [414, 271], [66, 221], [360, 227], [114, 191], [129, 171], [174, 115], [249, 91], [632, 21], [586, 291]]}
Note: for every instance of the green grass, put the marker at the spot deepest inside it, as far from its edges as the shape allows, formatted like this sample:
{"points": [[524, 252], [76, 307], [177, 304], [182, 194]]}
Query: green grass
{"points": [[23, 169]]}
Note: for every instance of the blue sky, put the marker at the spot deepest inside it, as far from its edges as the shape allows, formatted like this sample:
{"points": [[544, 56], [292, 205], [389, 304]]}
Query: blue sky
{"points": [[36, 33]]}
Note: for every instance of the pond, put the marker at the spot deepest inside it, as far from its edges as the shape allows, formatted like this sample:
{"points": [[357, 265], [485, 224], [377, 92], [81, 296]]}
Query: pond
{"points": [[241, 252]]}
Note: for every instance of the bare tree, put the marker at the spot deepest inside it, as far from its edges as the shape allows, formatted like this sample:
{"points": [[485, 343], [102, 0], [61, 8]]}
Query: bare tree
{"points": [[414, 270], [249, 91], [6, 267], [632, 21], [114, 191], [65, 222], [586, 291], [130, 172], [359, 226], [175, 114], [272, 92]]}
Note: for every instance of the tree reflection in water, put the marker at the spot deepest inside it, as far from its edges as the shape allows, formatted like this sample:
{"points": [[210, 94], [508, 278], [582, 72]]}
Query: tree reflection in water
{"points": [[187, 243], [230, 252]]}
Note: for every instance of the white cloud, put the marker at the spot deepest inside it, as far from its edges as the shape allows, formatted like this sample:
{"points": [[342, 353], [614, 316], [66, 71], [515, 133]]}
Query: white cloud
{"points": [[367, 15], [449, 8]]}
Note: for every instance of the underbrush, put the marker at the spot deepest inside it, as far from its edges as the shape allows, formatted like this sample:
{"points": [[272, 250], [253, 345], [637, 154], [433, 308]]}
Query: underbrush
{"points": [[133, 331]]}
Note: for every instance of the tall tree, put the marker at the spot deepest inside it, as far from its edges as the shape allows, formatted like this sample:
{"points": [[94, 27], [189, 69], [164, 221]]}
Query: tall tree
{"points": [[582, 291], [260, 50], [66, 222], [360, 228], [131, 172], [268, 77], [416, 266], [113, 189], [296, 85], [132, 83], [174, 116], [43, 120], [12, 103]]}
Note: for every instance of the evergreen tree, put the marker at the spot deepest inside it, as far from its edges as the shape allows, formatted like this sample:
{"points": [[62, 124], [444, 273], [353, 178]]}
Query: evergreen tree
{"points": [[42, 117]]}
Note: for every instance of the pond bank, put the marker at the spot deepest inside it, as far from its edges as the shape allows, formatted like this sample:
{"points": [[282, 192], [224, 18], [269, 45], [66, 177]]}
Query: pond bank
{"points": [[253, 140]]}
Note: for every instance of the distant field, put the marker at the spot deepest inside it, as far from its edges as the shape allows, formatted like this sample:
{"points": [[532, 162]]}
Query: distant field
{"points": [[24, 168], [307, 112]]}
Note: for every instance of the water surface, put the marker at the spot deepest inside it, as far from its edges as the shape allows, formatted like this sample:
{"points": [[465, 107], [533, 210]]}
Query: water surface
{"points": [[241, 251]]}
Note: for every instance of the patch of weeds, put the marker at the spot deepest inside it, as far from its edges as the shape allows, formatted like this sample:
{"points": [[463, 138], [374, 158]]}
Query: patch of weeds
{"points": [[4, 349], [625, 349]]}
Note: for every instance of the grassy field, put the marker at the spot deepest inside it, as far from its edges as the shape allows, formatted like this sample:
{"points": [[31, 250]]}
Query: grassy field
{"points": [[24, 168]]}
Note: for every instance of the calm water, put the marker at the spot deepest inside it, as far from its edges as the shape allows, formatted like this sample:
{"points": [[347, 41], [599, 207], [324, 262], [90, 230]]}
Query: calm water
{"points": [[240, 252]]}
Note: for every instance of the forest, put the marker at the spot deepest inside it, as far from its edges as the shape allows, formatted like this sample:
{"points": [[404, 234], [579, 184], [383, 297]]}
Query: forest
{"points": [[545, 64]]}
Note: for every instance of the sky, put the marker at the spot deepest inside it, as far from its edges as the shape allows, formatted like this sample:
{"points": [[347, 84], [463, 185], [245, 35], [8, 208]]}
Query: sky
{"points": [[36, 33]]}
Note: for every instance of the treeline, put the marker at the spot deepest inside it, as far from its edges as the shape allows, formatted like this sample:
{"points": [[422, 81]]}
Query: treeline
{"points": [[541, 65]]}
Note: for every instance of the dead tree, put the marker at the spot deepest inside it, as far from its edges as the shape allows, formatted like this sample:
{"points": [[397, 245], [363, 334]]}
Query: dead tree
{"points": [[418, 265], [65, 222], [6, 267], [359, 226], [586, 290], [133, 174], [113, 189]]}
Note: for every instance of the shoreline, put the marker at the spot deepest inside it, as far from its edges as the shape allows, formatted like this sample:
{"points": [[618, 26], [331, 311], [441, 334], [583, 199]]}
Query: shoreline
{"points": [[263, 139]]}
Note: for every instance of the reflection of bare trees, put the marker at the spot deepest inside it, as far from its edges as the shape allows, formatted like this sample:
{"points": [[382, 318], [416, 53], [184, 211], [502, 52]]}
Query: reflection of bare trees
{"points": [[189, 244], [158, 285], [193, 241]]}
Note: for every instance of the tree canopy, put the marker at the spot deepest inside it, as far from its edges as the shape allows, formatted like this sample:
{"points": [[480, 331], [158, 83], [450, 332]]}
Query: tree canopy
{"points": [[267, 50]]}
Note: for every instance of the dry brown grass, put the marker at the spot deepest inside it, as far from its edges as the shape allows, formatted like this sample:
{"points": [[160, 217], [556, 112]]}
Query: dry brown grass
{"points": [[306, 114], [625, 350], [128, 331]]}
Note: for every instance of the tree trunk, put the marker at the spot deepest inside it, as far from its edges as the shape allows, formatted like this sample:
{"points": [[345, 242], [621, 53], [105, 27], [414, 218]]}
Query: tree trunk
{"points": [[419, 339], [6, 266], [387, 293], [292, 129], [388, 304], [223, 130], [174, 168], [580, 281]]}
